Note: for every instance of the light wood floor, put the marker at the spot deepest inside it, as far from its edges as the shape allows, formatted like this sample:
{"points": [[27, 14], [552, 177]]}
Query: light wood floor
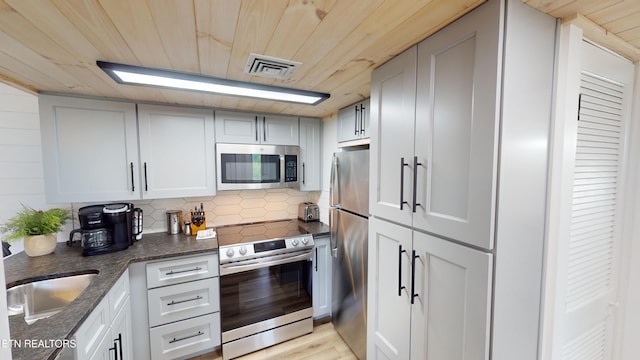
{"points": [[323, 344]]}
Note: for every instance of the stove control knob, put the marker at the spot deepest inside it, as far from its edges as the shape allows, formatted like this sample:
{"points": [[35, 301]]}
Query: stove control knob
{"points": [[294, 242], [305, 241], [230, 252], [243, 250]]}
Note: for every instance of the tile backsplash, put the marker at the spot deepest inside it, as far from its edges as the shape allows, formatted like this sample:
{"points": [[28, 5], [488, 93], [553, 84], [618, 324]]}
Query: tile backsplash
{"points": [[227, 207]]}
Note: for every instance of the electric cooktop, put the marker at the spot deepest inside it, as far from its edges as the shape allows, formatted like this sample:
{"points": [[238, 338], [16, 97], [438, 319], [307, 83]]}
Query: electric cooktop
{"points": [[236, 234]]}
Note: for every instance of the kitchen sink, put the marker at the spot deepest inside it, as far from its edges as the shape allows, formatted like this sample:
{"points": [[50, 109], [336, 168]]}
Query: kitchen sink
{"points": [[40, 299]]}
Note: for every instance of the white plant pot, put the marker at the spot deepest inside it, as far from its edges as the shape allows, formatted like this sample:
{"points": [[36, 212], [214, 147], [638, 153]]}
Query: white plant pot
{"points": [[38, 245]]}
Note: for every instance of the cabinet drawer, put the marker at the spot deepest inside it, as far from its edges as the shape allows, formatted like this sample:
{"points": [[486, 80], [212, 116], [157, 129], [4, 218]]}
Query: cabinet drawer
{"points": [[119, 294], [172, 303], [184, 338], [180, 270], [92, 331]]}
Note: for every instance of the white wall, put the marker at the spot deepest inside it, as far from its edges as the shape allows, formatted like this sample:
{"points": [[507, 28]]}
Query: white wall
{"points": [[21, 174], [21, 177]]}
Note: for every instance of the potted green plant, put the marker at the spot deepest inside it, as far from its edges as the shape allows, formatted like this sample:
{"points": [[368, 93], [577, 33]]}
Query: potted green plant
{"points": [[38, 228]]}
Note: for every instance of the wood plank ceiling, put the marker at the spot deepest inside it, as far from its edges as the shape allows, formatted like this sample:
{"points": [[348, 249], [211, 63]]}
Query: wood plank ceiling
{"points": [[52, 45]]}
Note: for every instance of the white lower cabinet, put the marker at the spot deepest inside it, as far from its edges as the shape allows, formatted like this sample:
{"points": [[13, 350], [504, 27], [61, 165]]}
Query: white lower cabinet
{"points": [[172, 303], [321, 278], [428, 298], [177, 307], [106, 333], [187, 337]]}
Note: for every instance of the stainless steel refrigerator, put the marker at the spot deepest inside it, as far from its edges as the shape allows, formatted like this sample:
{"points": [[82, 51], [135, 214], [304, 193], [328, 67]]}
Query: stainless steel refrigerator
{"points": [[349, 220]]}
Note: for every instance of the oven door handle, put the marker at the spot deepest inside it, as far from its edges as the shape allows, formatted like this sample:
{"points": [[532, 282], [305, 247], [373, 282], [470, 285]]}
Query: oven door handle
{"points": [[227, 269]]}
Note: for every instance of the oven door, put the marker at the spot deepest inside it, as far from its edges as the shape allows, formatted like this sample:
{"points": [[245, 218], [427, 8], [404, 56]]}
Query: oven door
{"points": [[246, 166], [258, 293]]}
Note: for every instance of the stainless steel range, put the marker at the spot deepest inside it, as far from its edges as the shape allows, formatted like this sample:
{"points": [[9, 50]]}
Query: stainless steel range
{"points": [[265, 285]]}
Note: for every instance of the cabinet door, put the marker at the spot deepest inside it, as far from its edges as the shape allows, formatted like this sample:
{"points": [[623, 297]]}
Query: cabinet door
{"points": [[176, 151], [310, 157], [90, 336], [457, 128], [237, 127], [353, 122], [393, 88], [348, 126], [279, 130], [388, 303], [121, 333], [321, 278], [450, 317], [89, 149]]}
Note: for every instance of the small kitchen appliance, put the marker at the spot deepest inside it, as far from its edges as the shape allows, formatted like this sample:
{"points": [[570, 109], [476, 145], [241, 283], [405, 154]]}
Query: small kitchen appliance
{"points": [[107, 228], [248, 166], [308, 211], [174, 221], [265, 276]]}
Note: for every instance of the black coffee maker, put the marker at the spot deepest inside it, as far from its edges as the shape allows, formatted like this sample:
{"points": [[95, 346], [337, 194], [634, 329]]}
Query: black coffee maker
{"points": [[107, 228]]}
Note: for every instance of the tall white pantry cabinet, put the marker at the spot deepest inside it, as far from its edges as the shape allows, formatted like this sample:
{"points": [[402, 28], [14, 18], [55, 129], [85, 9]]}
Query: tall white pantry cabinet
{"points": [[459, 146]]}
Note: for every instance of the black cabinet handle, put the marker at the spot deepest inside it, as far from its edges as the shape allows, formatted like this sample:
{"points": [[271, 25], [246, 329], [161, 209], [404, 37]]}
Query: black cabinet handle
{"points": [[361, 119], [264, 127], [257, 129], [415, 183], [133, 184], [146, 185], [115, 350], [316, 259], [119, 343], [355, 122], [303, 177], [400, 286], [402, 165], [413, 275]]}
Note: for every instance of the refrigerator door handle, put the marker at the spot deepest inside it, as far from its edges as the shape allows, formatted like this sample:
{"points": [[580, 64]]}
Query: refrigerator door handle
{"points": [[333, 235], [334, 189]]}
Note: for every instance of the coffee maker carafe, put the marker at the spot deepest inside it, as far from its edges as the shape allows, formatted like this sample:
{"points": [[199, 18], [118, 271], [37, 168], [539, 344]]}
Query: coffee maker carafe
{"points": [[107, 228]]}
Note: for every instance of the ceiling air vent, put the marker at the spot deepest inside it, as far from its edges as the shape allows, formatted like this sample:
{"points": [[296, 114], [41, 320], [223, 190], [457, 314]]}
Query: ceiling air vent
{"points": [[271, 67]]}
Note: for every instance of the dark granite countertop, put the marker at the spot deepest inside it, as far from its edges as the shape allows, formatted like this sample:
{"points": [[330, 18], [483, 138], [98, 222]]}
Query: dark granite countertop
{"points": [[316, 228], [68, 260]]}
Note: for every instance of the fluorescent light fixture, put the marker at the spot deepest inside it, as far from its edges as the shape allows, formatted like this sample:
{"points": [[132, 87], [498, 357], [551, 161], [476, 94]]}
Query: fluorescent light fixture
{"points": [[138, 75]]}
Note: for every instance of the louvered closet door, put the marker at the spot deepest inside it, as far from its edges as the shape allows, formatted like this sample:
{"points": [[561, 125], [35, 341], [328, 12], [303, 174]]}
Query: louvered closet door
{"points": [[594, 232]]}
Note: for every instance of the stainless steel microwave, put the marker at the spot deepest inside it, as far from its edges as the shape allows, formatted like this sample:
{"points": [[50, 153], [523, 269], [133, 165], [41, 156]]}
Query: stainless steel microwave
{"points": [[248, 166]]}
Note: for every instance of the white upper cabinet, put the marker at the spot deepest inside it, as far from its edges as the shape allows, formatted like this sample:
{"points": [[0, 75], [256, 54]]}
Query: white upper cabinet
{"points": [[90, 149], [457, 129], [310, 156], [393, 90], [95, 150], [176, 151], [353, 122], [251, 128], [434, 132]]}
